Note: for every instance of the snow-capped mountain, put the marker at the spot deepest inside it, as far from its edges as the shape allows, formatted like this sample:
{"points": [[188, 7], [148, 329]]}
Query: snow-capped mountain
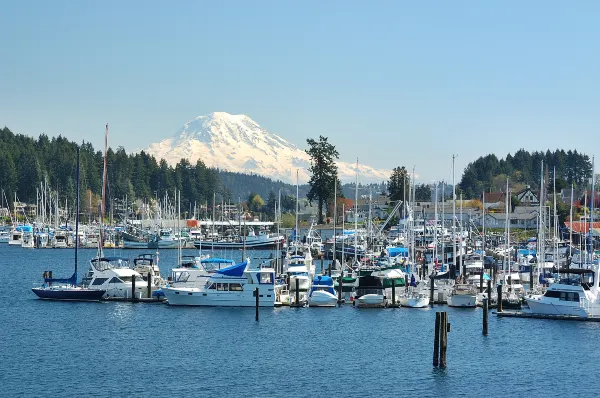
{"points": [[237, 143]]}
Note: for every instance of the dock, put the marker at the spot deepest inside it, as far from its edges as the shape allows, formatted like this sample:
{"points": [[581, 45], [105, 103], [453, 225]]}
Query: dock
{"points": [[523, 314]]}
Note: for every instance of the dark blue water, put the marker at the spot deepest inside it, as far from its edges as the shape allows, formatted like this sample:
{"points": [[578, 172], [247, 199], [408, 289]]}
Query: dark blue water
{"points": [[123, 349]]}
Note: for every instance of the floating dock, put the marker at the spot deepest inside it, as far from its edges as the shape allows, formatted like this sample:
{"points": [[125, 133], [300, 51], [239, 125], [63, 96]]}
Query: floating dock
{"points": [[523, 314], [152, 300]]}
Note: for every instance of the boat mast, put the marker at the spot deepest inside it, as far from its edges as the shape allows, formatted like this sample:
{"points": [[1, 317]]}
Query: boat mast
{"points": [[555, 223], [541, 246], [297, 209], [334, 220], [102, 205], [435, 226], [571, 219], [77, 219], [453, 216], [356, 216], [507, 231], [591, 233]]}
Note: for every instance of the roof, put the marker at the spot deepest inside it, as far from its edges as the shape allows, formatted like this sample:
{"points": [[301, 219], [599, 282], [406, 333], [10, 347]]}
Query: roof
{"points": [[581, 226], [493, 197]]}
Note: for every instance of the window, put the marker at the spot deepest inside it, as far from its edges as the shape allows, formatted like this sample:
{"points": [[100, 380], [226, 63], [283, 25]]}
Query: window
{"points": [[222, 286], [235, 287], [128, 279], [115, 280], [99, 281], [212, 286], [266, 277]]}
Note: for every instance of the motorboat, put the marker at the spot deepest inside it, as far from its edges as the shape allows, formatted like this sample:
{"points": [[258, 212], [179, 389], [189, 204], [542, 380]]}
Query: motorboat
{"points": [[370, 293], [228, 287], [415, 295], [463, 295], [576, 294], [322, 292], [147, 266], [115, 277], [194, 271], [60, 240], [28, 240]]}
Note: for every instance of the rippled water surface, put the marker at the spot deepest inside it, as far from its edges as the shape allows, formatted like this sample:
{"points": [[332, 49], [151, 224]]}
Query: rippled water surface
{"points": [[124, 349]]}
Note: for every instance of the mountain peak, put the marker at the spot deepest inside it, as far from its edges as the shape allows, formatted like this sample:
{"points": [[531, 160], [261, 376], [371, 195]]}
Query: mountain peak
{"points": [[237, 143]]}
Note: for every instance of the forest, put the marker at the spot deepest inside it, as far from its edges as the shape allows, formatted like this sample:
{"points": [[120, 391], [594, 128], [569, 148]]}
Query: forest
{"points": [[489, 174], [28, 165]]}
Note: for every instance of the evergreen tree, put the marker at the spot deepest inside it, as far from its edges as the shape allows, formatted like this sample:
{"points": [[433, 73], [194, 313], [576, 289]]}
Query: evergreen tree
{"points": [[398, 184], [323, 170]]}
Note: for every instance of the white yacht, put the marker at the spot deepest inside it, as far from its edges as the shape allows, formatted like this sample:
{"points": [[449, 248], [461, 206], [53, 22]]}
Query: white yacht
{"points": [[60, 240], [113, 275], [322, 293], [4, 236], [576, 294], [147, 265], [228, 287], [16, 237], [370, 293], [299, 271], [463, 295], [416, 294], [195, 271], [28, 240]]}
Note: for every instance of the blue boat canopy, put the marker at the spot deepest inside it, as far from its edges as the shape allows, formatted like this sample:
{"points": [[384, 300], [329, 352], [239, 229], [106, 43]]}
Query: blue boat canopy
{"points": [[397, 251], [234, 270], [71, 281], [323, 280]]}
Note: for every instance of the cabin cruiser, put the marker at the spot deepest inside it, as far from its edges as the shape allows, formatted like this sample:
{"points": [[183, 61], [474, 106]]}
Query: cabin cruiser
{"points": [[370, 293], [194, 271], [4, 236], [60, 240], [416, 294], [322, 293], [228, 287], [16, 236], [576, 294], [113, 275], [462, 295], [147, 266], [28, 240], [299, 271]]}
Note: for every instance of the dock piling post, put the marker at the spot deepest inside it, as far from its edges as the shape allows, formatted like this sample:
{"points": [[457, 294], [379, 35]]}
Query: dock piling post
{"points": [[444, 338], [149, 292], [257, 302], [340, 289], [393, 292], [485, 316], [436, 340], [322, 265], [297, 293], [431, 290], [481, 281], [499, 298], [133, 289]]}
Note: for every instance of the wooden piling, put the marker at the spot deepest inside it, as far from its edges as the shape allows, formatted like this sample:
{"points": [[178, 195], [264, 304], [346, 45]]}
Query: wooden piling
{"points": [[499, 289], [50, 277], [297, 293], [444, 338], [431, 290], [340, 289], [531, 277], [393, 292], [149, 292], [436, 340], [257, 301], [133, 289], [485, 315]]}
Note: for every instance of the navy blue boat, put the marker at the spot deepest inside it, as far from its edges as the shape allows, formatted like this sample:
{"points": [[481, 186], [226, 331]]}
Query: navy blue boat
{"points": [[67, 289]]}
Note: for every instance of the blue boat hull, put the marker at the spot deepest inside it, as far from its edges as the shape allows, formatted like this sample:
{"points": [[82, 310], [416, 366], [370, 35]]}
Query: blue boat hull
{"points": [[69, 294]]}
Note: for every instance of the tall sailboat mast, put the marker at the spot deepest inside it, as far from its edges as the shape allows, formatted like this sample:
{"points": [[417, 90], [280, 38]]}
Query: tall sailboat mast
{"points": [[103, 205], [453, 216]]}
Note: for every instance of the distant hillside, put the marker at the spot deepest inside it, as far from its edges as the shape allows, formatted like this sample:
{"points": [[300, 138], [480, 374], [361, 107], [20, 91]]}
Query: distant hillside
{"points": [[488, 173]]}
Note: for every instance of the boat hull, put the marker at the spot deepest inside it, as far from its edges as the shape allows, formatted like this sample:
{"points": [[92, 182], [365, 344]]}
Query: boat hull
{"points": [[322, 299], [462, 300], [208, 245], [68, 294], [545, 306], [198, 297], [414, 302], [371, 301]]}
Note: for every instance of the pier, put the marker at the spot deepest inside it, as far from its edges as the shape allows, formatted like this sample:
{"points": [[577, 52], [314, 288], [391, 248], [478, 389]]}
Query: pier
{"points": [[524, 314]]}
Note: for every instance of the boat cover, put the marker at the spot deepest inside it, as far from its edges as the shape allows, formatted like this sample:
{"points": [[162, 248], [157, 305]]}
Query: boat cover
{"points": [[397, 251], [234, 270], [323, 280]]}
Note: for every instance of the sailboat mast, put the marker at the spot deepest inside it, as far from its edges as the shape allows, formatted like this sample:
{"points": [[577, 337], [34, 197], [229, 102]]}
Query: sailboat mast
{"points": [[592, 221], [77, 217], [356, 216], [540, 254], [297, 209], [453, 216], [102, 205], [334, 218], [571, 219], [555, 224]]}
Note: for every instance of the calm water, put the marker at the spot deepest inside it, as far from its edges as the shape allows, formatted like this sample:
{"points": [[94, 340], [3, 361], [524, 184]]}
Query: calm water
{"points": [[123, 349]]}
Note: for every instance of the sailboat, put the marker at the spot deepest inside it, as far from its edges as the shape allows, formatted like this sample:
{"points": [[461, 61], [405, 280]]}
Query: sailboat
{"points": [[67, 289]]}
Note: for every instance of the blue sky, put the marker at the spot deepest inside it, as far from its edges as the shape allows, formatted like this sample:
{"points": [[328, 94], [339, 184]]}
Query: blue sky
{"points": [[391, 82]]}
